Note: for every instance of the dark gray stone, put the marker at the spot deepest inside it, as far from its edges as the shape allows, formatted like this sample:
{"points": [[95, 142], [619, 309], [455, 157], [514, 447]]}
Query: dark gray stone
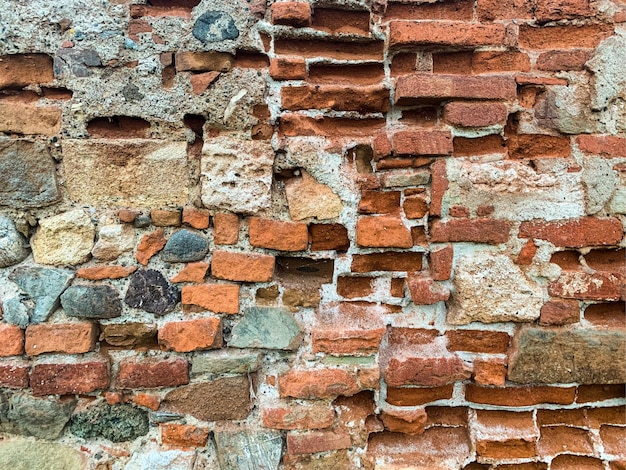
{"points": [[239, 450], [39, 417], [13, 245], [185, 246], [544, 355], [27, 174], [142, 221], [91, 302], [116, 423], [150, 291], [267, 328], [215, 26], [131, 93], [44, 286], [75, 62]]}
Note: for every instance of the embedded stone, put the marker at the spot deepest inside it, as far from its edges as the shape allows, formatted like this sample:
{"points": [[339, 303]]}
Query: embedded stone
{"points": [[64, 239], [150, 291], [113, 240], [15, 312], [248, 450], [27, 174], [490, 288], [267, 328], [543, 355], [227, 398], [128, 335], [117, 423], [75, 62], [161, 460], [100, 301], [309, 198], [215, 26], [185, 246], [40, 417], [225, 362], [27, 454], [13, 245], [44, 286]]}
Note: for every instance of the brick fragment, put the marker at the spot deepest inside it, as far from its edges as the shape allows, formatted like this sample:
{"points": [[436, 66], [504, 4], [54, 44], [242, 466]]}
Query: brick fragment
{"points": [[183, 436], [322, 383], [554, 61], [604, 145], [150, 245], [11, 340], [470, 114], [490, 372], [218, 298], [203, 61], [288, 68], [291, 13], [425, 371], [559, 312], [20, 70], [520, 396], [425, 291], [478, 341], [317, 441], [328, 237], [196, 218], [165, 217], [420, 142], [471, 230], [14, 374], [26, 118], [243, 267], [278, 235], [192, 272], [404, 421], [68, 338], [69, 377], [440, 262], [226, 228], [97, 273], [380, 202], [296, 416], [191, 335], [152, 373]]}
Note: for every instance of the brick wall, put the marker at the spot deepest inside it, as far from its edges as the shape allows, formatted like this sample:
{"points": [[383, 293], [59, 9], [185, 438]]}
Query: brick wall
{"points": [[336, 234]]}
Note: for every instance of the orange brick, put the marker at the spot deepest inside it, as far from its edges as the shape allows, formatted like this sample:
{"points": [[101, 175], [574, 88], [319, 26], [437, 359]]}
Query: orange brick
{"points": [[243, 267], [291, 13], [150, 245], [11, 340], [218, 298], [296, 416], [183, 435], [317, 441], [97, 273], [563, 37], [288, 68], [575, 233], [323, 383], [490, 372], [444, 33], [520, 396], [192, 272], [20, 70], [191, 335], [165, 217], [196, 218], [69, 338], [147, 400], [383, 232], [226, 228], [278, 235], [562, 439]]}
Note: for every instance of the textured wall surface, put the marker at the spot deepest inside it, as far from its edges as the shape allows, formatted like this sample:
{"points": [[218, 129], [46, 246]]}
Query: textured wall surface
{"points": [[336, 234]]}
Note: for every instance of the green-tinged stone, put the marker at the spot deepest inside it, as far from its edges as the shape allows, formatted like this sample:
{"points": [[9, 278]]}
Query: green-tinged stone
{"points": [[92, 302], [248, 450], [266, 327], [39, 417], [225, 362], [117, 423], [349, 360]]}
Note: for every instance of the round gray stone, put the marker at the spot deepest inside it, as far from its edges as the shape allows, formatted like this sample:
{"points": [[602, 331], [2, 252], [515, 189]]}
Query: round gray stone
{"points": [[91, 302], [185, 246], [150, 291], [215, 26], [13, 246]]}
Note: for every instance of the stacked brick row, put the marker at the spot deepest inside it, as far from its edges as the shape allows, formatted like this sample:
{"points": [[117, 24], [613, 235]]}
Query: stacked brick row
{"points": [[313, 235]]}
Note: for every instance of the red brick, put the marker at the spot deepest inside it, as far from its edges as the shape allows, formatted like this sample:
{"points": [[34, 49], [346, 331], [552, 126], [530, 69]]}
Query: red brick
{"points": [[554, 61], [425, 371], [563, 37], [200, 82], [526, 254], [354, 340], [317, 441], [380, 202], [415, 396], [323, 383], [191, 335], [11, 340], [226, 228], [439, 186], [387, 261], [593, 393], [196, 218], [69, 377], [336, 21], [412, 89], [559, 312], [68, 338], [478, 146], [489, 10], [218, 298], [288, 68], [551, 10], [470, 114], [336, 97], [459, 212], [422, 142], [538, 146], [607, 314], [278, 235], [519, 396], [598, 417], [292, 124], [192, 272], [383, 232], [352, 287], [575, 233], [556, 440], [471, 230], [296, 416], [578, 462], [587, 286], [425, 291], [440, 262], [490, 372], [14, 375], [346, 74], [150, 245], [291, 13], [604, 145], [478, 341], [444, 33], [449, 10], [183, 436], [505, 434], [20, 70], [613, 440], [244, 267], [415, 207], [500, 61], [572, 417], [152, 373], [404, 421]]}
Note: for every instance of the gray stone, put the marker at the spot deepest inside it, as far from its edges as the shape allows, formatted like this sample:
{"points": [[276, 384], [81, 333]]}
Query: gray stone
{"points": [[600, 182], [100, 301], [15, 312], [185, 246], [44, 286], [116, 423], [225, 362], [76, 62], [13, 245], [609, 75], [150, 291], [39, 417], [543, 355], [27, 174], [131, 93], [161, 460], [30, 454], [249, 450], [142, 221], [215, 26], [404, 178], [113, 240], [266, 327]]}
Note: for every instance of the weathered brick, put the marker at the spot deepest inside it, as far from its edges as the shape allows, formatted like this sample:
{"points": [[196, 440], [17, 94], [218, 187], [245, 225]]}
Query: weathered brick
{"points": [[559, 312], [604, 145], [538, 146], [415, 396], [278, 235], [196, 218], [191, 335], [490, 372], [192, 272], [440, 262], [20, 70], [387, 261], [317, 441], [69, 338], [322, 383], [478, 341], [563, 37], [226, 228], [422, 142], [383, 232], [380, 202], [26, 118], [218, 298], [203, 61], [471, 230], [470, 114], [152, 373], [244, 267], [183, 436], [69, 377], [288, 68], [554, 61], [11, 340], [520, 396], [556, 440], [444, 33], [340, 98], [505, 434], [425, 371], [97, 273], [14, 374], [291, 13], [328, 237], [297, 416], [425, 291], [415, 206], [575, 233]]}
